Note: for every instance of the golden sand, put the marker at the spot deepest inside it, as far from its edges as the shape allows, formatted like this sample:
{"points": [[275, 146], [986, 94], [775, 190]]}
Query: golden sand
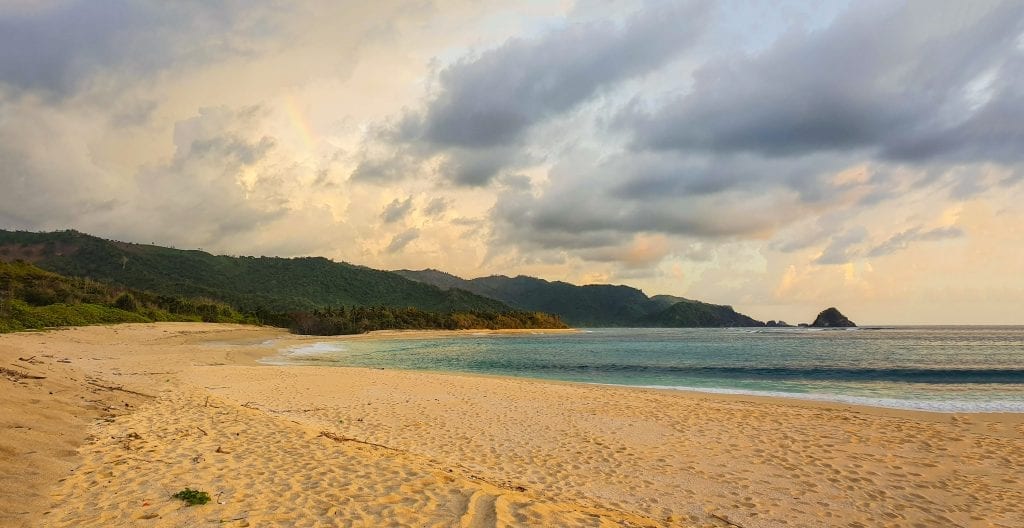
{"points": [[127, 415]]}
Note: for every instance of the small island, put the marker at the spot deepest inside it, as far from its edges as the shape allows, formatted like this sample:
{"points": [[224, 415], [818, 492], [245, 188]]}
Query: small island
{"points": [[832, 318]]}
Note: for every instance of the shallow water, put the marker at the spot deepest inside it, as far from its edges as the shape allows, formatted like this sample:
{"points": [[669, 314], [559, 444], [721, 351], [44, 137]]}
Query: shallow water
{"points": [[947, 369]]}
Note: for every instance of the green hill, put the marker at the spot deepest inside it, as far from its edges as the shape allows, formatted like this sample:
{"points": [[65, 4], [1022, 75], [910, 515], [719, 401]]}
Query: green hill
{"points": [[591, 305], [32, 298], [271, 286], [660, 302], [247, 283], [696, 314]]}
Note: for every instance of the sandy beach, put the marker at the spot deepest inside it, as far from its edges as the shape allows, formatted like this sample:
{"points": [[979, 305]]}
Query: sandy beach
{"points": [[102, 424]]}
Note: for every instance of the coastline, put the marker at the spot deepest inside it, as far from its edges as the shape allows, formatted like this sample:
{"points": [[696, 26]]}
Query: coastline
{"points": [[498, 447], [310, 350]]}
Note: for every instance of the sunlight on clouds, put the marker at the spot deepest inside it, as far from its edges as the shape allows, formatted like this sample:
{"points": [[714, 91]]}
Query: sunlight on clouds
{"points": [[857, 175], [706, 162]]}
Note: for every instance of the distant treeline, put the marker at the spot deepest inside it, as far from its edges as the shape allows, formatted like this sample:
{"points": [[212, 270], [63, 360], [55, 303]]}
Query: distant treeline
{"points": [[31, 298], [361, 319]]}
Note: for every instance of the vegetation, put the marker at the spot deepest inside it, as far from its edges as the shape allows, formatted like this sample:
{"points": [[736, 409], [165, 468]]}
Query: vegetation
{"points": [[246, 283], [31, 298], [192, 497], [140, 282], [281, 292], [695, 314], [592, 305], [357, 320]]}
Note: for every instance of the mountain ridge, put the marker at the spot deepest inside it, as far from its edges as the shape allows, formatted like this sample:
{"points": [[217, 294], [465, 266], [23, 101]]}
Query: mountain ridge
{"points": [[590, 305], [276, 284]]}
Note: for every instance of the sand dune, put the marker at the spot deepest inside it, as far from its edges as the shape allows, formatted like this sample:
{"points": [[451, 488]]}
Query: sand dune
{"points": [[142, 411]]}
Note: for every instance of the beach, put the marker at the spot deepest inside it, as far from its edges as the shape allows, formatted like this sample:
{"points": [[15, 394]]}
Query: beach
{"points": [[102, 424]]}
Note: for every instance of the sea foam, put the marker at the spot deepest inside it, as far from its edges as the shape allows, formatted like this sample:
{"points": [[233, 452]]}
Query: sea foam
{"points": [[315, 349], [939, 406]]}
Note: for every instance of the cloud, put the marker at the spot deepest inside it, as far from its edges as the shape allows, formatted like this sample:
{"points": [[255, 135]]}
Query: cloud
{"points": [[763, 140], [590, 204], [43, 189], [902, 240], [693, 148], [841, 249], [67, 42], [222, 180], [396, 210], [436, 207], [486, 103], [225, 182], [846, 246], [642, 252], [399, 241], [477, 167], [888, 80], [391, 165], [493, 98], [56, 49]]}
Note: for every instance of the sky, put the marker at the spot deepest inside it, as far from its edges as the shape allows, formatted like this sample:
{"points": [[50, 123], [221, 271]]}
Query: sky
{"points": [[779, 157]]}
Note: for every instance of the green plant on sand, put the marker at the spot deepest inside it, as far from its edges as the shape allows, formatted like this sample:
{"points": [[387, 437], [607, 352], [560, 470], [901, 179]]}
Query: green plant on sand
{"points": [[192, 497]]}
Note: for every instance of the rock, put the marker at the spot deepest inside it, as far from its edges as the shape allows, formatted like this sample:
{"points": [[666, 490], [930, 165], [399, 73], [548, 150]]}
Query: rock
{"points": [[832, 318], [780, 323]]}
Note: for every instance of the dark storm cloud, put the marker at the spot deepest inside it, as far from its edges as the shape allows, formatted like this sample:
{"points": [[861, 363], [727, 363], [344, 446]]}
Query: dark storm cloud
{"points": [[493, 98], [993, 133], [50, 51], [54, 50], [477, 167], [585, 208], [902, 240], [878, 80], [922, 95], [645, 176], [485, 104]]}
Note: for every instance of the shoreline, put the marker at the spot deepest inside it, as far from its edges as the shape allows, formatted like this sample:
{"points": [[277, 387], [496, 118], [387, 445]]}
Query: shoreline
{"points": [[779, 397], [140, 411]]}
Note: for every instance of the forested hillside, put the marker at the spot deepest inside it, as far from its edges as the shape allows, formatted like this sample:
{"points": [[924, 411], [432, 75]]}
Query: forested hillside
{"points": [[591, 305], [276, 290], [696, 314], [247, 283]]}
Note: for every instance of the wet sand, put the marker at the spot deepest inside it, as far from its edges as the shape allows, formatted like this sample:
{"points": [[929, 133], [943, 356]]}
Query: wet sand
{"points": [[138, 412]]}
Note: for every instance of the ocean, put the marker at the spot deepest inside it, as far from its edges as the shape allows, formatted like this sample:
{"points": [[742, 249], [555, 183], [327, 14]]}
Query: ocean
{"points": [[941, 369]]}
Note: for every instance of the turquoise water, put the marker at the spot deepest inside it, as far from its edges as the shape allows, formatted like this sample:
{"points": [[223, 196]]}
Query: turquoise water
{"points": [[946, 369]]}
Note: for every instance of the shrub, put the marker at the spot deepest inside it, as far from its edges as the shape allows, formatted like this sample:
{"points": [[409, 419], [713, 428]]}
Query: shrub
{"points": [[192, 497], [127, 302]]}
